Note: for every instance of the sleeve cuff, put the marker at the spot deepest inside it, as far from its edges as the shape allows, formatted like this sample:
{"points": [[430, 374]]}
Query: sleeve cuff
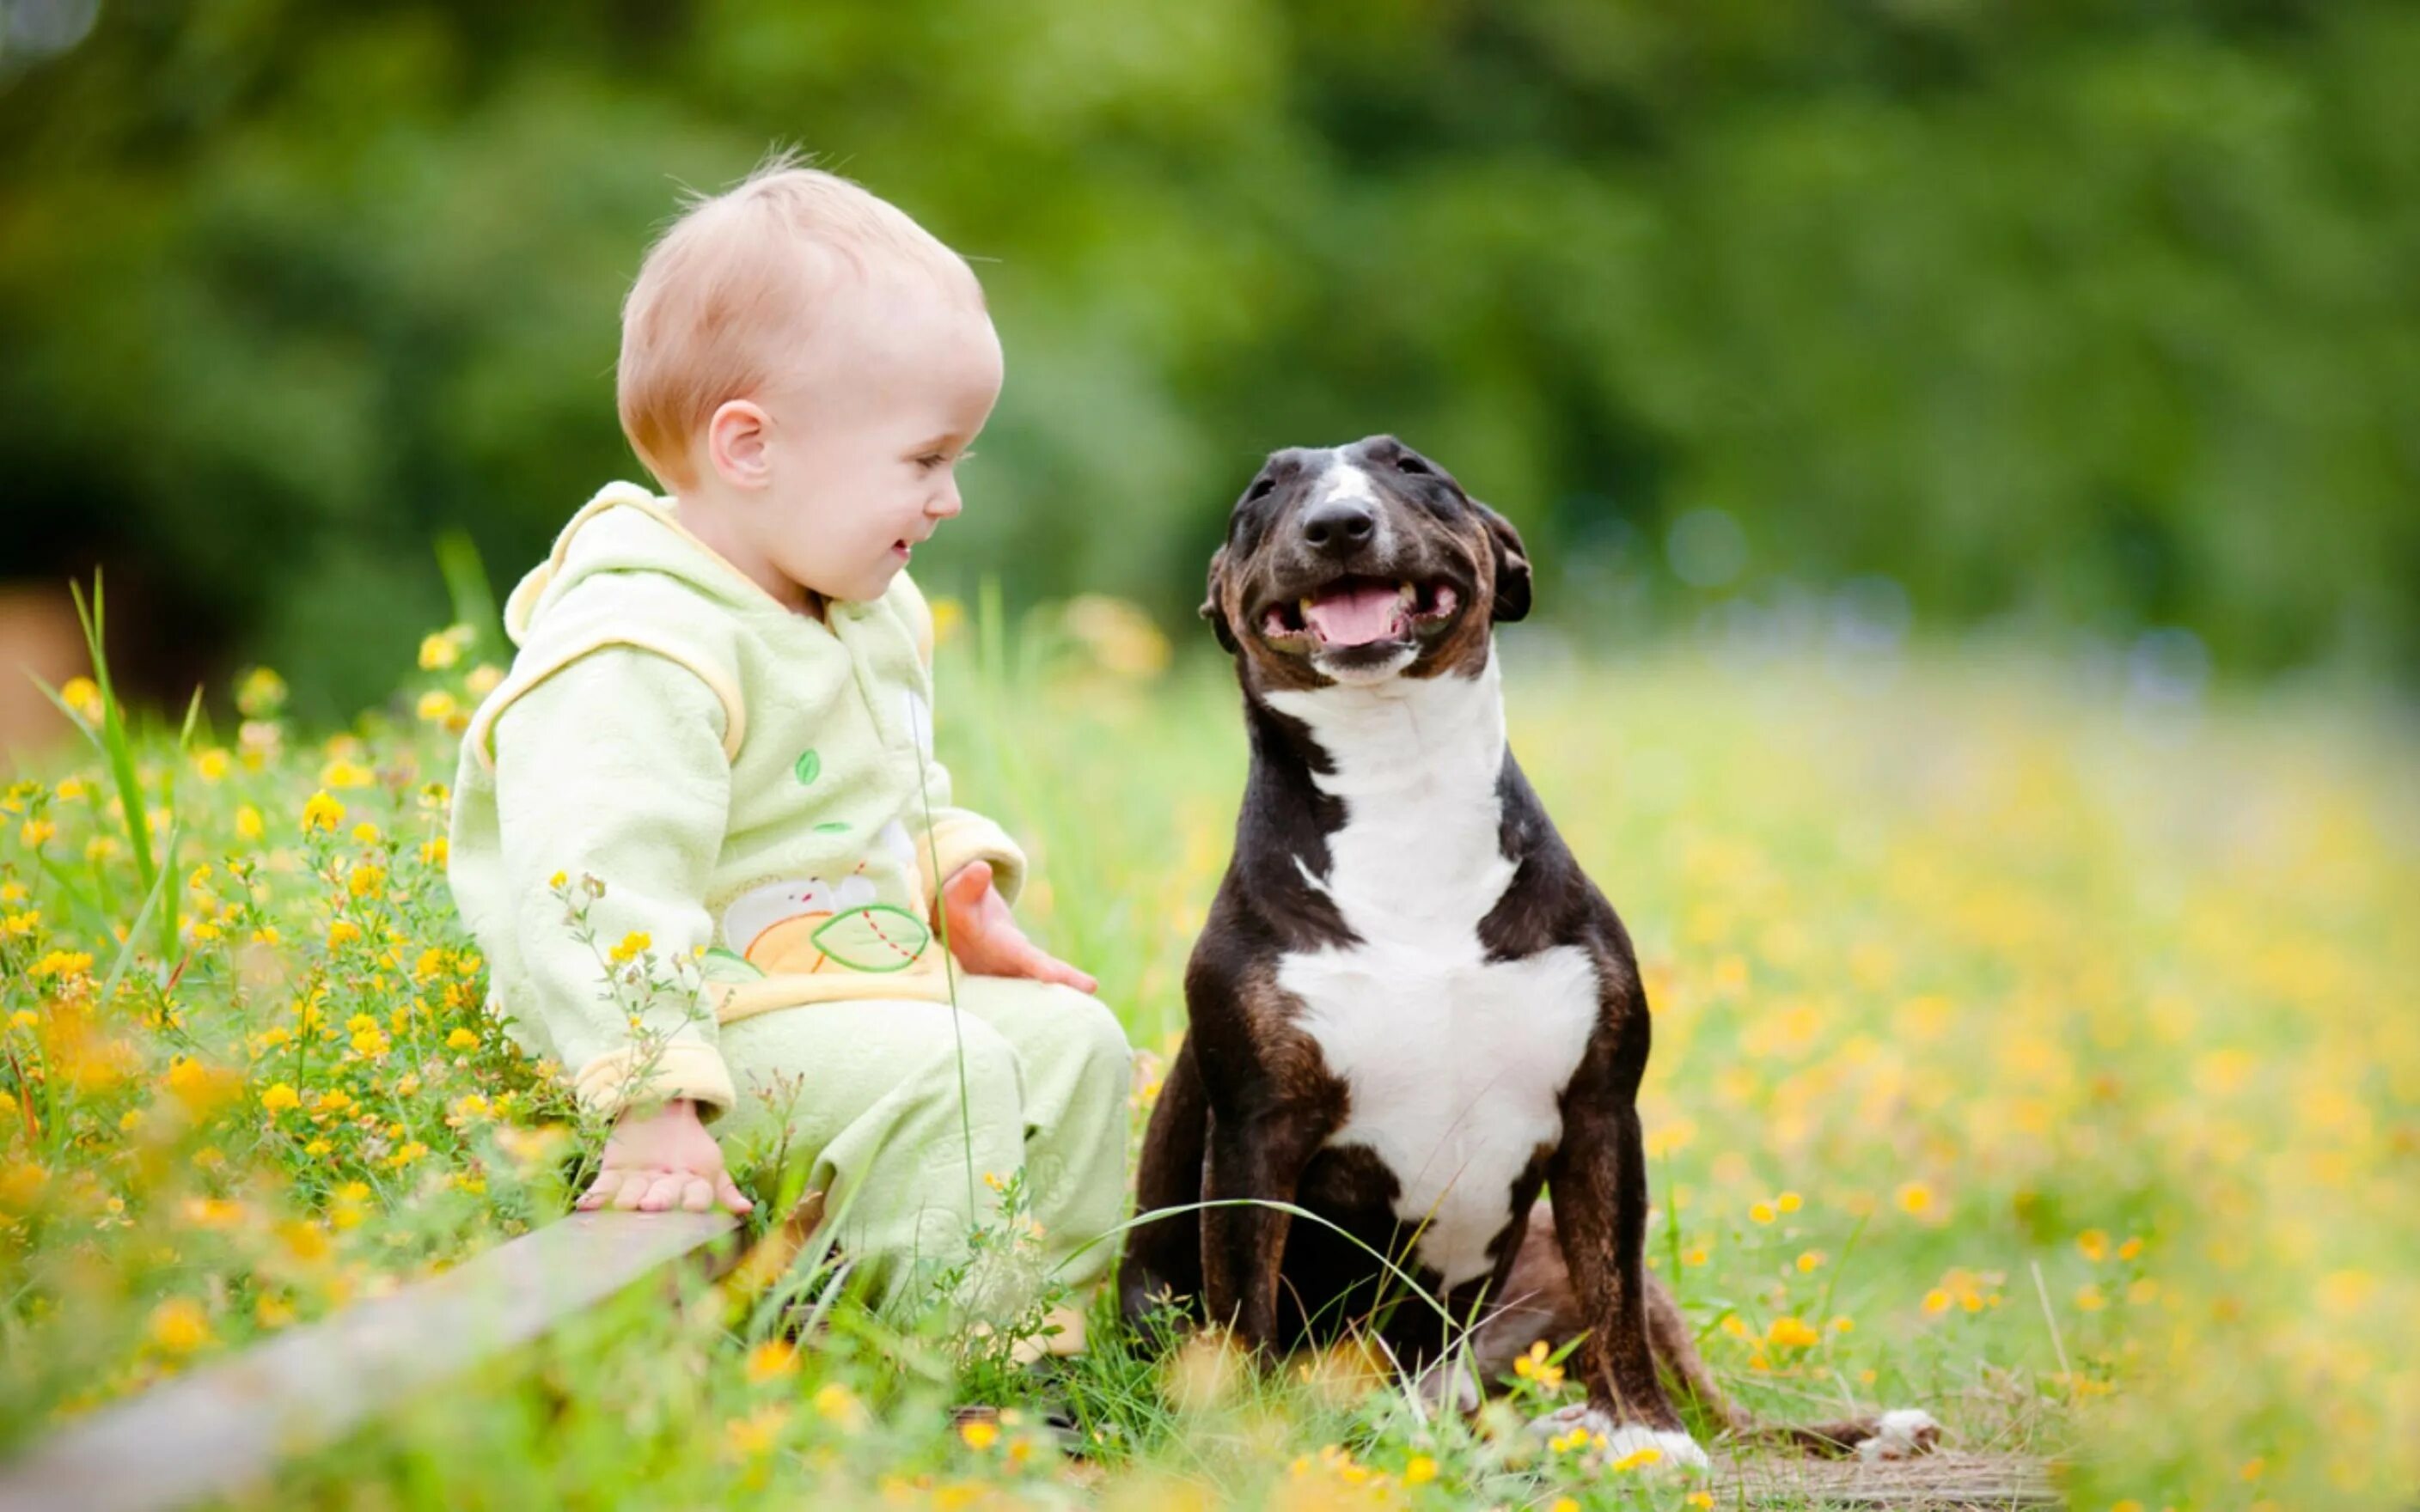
{"points": [[960, 837], [689, 1069]]}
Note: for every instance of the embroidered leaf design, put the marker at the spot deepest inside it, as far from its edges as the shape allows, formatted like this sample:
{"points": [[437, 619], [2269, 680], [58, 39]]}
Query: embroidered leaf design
{"points": [[730, 967], [810, 767], [876, 937], [831, 826]]}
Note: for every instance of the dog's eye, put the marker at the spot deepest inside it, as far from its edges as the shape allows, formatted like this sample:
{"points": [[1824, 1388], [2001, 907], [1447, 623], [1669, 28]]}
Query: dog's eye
{"points": [[1261, 488], [1414, 466]]}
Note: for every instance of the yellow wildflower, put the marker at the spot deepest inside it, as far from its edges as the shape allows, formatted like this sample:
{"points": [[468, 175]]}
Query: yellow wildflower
{"points": [[462, 1039], [632, 943], [1535, 1365], [756, 1433], [1790, 1333], [1789, 1202], [436, 706], [1915, 1197], [1639, 1459], [836, 1404], [260, 694], [280, 1097], [365, 879], [1421, 1471], [771, 1359], [34, 832], [320, 812], [439, 651], [211, 765], [180, 1326], [83, 695], [345, 773], [1762, 1213], [21, 924], [248, 824], [342, 932], [1811, 1260], [483, 679], [2094, 1243], [63, 964], [980, 1433]]}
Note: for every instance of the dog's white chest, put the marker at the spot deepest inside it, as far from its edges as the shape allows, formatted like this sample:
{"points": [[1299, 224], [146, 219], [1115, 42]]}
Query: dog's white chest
{"points": [[1455, 1064]]}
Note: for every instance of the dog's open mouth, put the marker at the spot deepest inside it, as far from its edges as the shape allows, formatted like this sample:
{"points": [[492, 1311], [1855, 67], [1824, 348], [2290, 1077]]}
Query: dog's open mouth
{"points": [[1361, 611]]}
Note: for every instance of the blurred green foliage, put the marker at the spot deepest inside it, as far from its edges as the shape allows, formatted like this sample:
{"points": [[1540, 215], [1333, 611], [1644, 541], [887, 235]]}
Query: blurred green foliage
{"points": [[2069, 313]]}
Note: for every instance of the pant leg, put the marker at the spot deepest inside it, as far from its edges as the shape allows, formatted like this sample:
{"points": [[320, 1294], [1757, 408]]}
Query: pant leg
{"points": [[900, 1108], [1075, 1074]]}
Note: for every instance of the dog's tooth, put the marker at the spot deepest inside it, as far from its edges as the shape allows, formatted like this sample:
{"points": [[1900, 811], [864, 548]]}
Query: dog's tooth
{"points": [[1408, 594]]}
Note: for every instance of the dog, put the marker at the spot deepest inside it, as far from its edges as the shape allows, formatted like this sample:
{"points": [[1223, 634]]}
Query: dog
{"points": [[1410, 1009]]}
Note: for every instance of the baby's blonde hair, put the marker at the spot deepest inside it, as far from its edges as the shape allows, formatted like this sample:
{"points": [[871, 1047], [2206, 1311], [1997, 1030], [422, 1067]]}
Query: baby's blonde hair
{"points": [[727, 294]]}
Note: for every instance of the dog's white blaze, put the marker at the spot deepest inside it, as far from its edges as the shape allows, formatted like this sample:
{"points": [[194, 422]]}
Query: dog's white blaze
{"points": [[1456, 1064], [1344, 480]]}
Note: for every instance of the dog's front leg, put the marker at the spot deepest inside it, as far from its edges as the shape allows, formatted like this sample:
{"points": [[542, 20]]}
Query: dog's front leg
{"points": [[1256, 1158], [1598, 1178]]}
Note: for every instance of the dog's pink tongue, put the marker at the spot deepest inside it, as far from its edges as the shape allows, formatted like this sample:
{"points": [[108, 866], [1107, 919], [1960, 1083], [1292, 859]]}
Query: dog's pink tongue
{"points": [[1355, 616]]}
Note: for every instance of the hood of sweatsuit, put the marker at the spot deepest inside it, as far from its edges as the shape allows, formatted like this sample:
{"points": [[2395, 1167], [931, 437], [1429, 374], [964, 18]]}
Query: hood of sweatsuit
{"points": [[625, 529]]}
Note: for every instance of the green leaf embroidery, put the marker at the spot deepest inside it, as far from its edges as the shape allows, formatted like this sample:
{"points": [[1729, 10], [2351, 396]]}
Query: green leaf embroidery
{"points": [[831, 826], [810, 767], [729, 967], [878, 937]]}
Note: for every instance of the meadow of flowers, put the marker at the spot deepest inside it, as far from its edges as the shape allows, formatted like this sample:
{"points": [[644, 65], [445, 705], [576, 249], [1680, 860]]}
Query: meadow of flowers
{"points": [[2032, 1053]]}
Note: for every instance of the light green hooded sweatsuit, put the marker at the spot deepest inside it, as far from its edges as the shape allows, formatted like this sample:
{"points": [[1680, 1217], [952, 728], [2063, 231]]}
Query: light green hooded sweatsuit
{"points": [[752, 788]]}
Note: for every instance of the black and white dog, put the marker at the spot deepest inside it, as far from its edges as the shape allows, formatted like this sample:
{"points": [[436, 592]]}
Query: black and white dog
{"points": [[1410, 1009]]}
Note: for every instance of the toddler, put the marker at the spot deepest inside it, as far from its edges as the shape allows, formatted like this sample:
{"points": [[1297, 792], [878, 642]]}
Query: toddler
{"points": [[698, 830]]}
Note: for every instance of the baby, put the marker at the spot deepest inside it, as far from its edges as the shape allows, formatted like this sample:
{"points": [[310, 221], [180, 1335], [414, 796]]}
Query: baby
{"points": [[698, 829]]}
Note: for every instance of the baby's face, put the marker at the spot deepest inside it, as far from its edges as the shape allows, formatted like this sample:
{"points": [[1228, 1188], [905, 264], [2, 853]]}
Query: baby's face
{"points": [[866, 433]]}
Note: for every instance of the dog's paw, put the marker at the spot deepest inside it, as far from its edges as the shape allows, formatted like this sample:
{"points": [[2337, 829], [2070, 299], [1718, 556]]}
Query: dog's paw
{"points": [[1901, 1433], [1674, 1449]]}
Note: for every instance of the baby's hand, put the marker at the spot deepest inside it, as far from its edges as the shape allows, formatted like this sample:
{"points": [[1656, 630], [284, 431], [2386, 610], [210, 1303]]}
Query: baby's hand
{"points": [[986, 940], [663, 1160]]}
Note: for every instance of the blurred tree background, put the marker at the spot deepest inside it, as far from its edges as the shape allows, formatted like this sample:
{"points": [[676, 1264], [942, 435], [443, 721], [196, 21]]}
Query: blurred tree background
{"points": [[2067, 315]]}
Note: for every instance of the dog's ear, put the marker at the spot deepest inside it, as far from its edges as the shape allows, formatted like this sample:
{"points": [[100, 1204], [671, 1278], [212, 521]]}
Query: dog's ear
{"points": [[1511, 566], [1214, 608]]}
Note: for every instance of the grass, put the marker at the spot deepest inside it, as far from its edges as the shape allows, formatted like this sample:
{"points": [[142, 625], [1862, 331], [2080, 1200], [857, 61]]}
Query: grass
{"points": [[2024, 1052]]}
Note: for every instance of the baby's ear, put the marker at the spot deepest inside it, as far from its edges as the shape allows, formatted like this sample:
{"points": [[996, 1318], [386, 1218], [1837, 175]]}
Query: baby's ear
{"points": [[1214, 608]]}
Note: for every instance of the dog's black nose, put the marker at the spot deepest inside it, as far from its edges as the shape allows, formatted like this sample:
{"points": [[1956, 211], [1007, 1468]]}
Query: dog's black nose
{"points": [[1340, 527]]}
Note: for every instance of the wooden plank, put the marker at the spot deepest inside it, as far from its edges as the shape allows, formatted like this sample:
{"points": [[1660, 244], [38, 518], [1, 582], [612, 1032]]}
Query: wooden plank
{"points": [[226, 1426], [1942, 1480]]}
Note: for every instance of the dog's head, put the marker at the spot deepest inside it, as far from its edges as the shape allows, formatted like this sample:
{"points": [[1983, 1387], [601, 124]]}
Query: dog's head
{"points": [[1358, 563]]}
